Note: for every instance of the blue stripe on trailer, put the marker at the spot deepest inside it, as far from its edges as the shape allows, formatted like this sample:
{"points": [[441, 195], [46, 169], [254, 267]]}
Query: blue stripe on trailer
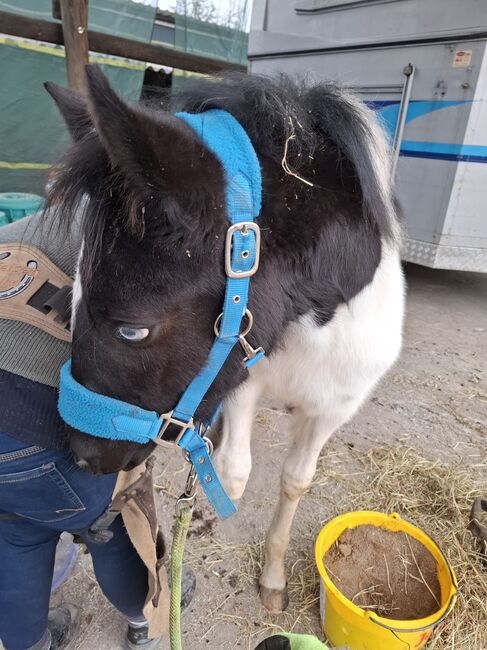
{"points": [[388, 110], [444, 151]]}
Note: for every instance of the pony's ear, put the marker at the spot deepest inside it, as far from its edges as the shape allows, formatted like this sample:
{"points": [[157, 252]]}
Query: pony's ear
{"points": [[152, 153], [133, 139], [72, 108]]}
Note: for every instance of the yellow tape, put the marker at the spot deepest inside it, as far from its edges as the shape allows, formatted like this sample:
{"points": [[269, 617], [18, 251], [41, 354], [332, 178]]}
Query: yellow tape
{"points": [[23, 165], [54, 51], [117, 63]]}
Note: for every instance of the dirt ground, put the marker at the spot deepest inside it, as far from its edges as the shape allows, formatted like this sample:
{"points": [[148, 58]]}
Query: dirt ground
{"points": [[434, 400]]}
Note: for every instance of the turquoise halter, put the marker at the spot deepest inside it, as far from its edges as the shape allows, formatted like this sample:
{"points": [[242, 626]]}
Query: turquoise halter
{"points": [[106, 417]]}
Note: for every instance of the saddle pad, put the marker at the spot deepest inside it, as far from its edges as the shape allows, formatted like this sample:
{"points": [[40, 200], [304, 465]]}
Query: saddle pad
{"points": [[33, 290]]}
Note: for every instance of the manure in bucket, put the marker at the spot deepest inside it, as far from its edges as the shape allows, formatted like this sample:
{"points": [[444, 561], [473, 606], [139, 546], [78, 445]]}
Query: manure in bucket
{"points": [[387, 572]]}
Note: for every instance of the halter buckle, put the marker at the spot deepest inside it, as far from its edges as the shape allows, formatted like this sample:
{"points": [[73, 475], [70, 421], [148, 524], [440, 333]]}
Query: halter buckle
{"points": [[243, 227], [249, 351], [168, 419]]}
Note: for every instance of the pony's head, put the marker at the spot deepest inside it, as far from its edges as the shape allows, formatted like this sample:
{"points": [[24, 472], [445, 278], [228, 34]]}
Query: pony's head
{"points": [[150, 278]]}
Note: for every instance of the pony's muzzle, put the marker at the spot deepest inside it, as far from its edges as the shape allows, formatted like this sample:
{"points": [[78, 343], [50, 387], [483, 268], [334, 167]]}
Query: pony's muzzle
{"points": [[102, 456]]}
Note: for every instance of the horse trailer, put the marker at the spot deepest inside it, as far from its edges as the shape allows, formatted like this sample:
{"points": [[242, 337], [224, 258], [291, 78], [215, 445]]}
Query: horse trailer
{"points": [[423, 67]]}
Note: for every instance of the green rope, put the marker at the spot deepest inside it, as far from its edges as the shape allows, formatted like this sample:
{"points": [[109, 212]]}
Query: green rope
{"points": [[182, 524], [304, 642]]}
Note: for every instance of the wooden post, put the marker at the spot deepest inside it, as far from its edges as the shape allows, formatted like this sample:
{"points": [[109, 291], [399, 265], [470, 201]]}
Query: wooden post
{"points": [[74, 14]]}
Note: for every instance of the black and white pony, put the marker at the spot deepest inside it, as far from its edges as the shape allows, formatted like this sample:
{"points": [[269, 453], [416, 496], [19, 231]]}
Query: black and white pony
{"points": [[327, 300]]}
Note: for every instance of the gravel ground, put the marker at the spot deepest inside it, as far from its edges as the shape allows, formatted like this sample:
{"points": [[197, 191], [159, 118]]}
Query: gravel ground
{"points": [[433, 400]]}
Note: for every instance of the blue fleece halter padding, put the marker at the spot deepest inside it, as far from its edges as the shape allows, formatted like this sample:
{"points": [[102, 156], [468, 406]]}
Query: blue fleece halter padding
{"points": [[224, 136], [114, 419], [103, 416], [229, 142]]}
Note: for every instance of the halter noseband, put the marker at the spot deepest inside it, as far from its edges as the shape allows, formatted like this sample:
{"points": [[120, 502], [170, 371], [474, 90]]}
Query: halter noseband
{"points": [[106, 417]]}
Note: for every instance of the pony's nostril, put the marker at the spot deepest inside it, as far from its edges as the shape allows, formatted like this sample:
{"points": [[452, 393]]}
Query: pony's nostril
{"points": [[82, 464]]}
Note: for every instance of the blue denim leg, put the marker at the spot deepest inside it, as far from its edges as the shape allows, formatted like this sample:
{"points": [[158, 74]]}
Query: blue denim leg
{"points": [[120, 572], [43, 493], [27, 554]]}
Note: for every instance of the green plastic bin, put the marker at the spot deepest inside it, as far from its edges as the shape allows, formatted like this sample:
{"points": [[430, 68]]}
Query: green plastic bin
{"points": [[17, 205], [3, 219]]}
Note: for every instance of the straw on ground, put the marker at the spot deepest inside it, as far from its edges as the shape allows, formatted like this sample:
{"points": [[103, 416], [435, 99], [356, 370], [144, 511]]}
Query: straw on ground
{"points": [[434, 496]]}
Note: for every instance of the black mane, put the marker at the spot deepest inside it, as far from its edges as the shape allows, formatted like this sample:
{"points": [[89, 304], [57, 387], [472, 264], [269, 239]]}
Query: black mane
{"points": [[309, 119], [313, 115], [269, 110]]}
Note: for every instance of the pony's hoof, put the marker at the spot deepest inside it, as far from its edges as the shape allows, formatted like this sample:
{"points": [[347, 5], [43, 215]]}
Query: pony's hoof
{"points": [[275, 600]]}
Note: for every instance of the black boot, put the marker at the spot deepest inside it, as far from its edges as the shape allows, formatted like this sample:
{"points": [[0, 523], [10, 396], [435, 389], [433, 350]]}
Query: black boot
{"points": [[137, 635], [62, 623]]}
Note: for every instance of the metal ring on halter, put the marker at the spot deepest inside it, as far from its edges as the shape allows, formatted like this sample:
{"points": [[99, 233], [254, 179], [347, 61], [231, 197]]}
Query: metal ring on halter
{"points": [[209, 448], [209, 445], [247, 313]]}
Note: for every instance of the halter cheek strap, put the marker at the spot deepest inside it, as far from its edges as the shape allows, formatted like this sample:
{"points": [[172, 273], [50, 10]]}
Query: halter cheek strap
{"points": [[106, 417]]}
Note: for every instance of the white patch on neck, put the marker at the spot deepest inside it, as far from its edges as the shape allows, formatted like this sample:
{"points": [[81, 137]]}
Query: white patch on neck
{"points": [[77, 289]]}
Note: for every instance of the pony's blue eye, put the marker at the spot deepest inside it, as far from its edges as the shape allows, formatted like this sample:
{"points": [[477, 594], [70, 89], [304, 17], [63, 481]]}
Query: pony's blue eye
{"points": [[132, 334]]}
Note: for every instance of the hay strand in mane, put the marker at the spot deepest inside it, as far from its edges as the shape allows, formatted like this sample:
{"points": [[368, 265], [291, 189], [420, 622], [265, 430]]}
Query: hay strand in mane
{"points": [[284, 162]]}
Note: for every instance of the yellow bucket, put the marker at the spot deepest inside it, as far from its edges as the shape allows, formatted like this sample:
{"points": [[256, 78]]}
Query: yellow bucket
{"points": [[346, 624]]}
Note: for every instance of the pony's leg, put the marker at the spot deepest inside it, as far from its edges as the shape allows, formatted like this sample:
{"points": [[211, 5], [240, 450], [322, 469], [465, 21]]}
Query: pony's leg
{"points": [[233, 460], [310, 434]]}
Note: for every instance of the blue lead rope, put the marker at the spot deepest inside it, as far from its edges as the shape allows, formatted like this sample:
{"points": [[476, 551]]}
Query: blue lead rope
{"points": [[107, 417]]}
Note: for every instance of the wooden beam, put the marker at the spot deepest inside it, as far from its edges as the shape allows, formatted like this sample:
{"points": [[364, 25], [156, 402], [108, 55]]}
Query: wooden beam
{"points": [[74, 14], [43, 30]]}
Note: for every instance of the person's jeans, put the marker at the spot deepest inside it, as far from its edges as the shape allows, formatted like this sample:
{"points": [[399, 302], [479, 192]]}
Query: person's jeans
{"points": [[43, 493]]}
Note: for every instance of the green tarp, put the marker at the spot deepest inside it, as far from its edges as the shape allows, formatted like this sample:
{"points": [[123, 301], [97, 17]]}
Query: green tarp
{"points": [[32, 134], [215, 28], [121, 17]]}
